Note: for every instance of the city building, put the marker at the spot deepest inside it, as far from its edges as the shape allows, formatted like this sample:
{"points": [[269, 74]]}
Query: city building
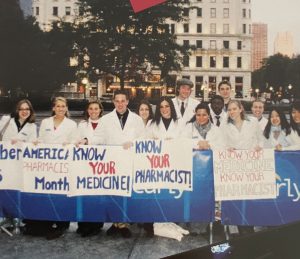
{"points": [[284, 44], [259, 44], [221, 30], [48, 11]]}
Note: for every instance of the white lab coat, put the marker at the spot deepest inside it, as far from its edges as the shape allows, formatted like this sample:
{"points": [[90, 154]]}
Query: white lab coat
{"points": [[160, 132], [223, 117], [214, 136], [110, 132], [27, 134], [248, 137], [189, 108], [294, 140], [282, 140], [65, 133], [262, 122], [85, 129]]}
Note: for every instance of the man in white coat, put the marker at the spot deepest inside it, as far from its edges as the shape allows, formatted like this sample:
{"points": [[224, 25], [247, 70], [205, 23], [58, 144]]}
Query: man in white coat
{"points": [[257, 112], [184, 104], [217, 112], [119, 127]]}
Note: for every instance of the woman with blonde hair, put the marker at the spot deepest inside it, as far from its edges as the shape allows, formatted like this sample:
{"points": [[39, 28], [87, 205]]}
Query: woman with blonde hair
{"points": [[57, 129]]}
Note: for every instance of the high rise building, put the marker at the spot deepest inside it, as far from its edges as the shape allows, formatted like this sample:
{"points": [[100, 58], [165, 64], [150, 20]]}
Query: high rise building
{"points": [[221, 30], [259, 44], [284, 44]]}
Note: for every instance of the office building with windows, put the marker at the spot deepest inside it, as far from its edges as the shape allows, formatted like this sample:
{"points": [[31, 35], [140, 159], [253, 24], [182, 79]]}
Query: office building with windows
{"points": [[259, 44], [221, 31], [48, 11]]}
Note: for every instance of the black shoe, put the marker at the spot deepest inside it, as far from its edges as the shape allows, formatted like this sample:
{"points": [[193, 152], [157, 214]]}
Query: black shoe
{"points": [[55, 233], [112, 231], [90, 232], [125, 232], [148, 227]]}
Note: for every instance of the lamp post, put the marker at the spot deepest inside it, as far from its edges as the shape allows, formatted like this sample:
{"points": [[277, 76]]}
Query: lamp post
{"points": [[84, 82], [257, 92], [290, 87]]}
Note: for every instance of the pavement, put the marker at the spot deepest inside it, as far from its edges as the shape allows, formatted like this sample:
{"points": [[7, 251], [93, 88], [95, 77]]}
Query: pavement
{"points": [[71, 245]]}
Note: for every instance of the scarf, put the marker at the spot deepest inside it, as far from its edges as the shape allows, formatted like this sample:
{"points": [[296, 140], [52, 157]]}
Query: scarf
{"points": [[203, 129], [275, 131]]}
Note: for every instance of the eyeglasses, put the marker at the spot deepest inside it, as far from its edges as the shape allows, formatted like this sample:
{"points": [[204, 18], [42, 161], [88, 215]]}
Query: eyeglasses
{"points": [[24, 109]]}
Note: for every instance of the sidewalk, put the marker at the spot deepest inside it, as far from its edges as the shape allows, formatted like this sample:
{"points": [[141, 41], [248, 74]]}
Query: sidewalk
{"points": [[73, 246]]}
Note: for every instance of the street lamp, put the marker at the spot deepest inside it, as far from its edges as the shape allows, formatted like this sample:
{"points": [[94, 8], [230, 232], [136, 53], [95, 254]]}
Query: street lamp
{"points": [[84, 82], [257, 92]]}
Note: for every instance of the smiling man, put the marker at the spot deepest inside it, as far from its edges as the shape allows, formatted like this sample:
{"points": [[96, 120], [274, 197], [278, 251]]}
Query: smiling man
{"points": [[184, 104], [257, 112]]}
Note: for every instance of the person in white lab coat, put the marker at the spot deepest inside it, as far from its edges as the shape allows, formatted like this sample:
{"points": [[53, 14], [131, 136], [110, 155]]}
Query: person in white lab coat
{"points": [[183, 102], [57, 129], [144, 110], [119, 127], [200, 128], [294, 137], [224, 89], [165, 124], [257, 112], [277, 130], [217, 112], [239, 131], [86, 129], [20, 127]]}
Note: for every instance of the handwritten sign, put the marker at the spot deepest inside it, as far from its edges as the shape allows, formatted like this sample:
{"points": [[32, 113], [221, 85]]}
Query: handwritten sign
{"points": [[46, 168], [101, 170], [11, 177], [163, 165], [244, 174]]}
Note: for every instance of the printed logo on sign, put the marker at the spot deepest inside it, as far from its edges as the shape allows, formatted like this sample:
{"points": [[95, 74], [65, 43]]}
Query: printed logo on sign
{"points": [[140, 5]]}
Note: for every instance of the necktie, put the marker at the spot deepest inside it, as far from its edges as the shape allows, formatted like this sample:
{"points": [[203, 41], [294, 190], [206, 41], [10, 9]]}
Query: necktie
{"points": [[182, 108], [218, 120], [121, 121]]}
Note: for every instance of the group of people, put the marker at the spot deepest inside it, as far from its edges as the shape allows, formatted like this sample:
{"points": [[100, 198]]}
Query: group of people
{"points": [[222, 123]]}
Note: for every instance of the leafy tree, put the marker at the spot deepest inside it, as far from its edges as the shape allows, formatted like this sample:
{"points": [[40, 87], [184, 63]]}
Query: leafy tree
{"points": [[31, 60], [123, 43]]}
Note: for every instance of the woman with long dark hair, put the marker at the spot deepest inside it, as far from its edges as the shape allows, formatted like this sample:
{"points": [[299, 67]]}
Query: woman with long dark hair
{"points": [[201, 129], [277, 130], [144, 110], [165, 124], [294, 137]]}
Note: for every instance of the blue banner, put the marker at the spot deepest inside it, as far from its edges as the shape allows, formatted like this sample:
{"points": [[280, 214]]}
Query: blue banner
{"points": [[149, 206], [272, 212]]}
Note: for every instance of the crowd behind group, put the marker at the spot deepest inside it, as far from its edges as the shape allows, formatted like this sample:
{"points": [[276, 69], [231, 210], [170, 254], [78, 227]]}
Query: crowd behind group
{"points": [[222, 123]]}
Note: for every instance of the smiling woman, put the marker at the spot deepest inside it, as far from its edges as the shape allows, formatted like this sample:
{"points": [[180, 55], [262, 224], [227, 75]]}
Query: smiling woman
{"points": [[21, 126]]}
